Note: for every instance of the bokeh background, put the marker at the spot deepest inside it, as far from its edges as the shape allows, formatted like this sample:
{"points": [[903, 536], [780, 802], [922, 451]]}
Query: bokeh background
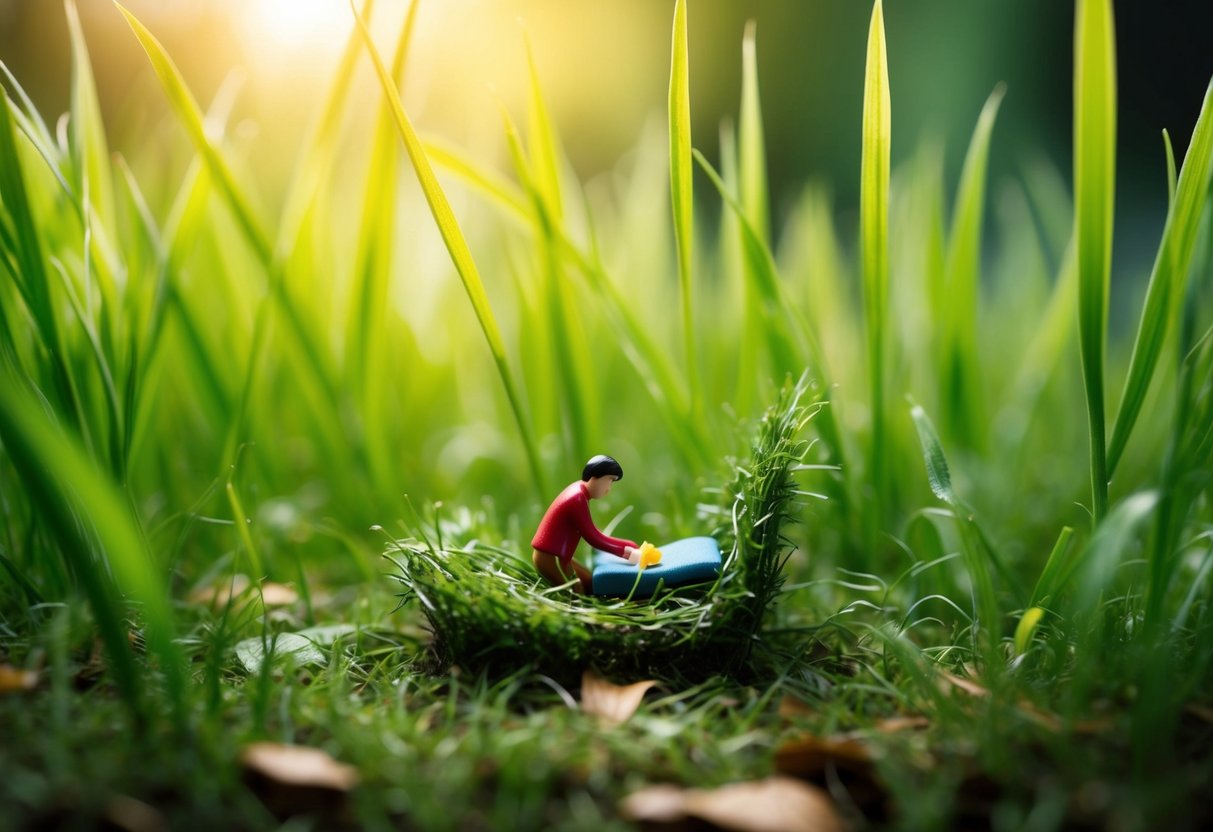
{"points": [[605, 71]]}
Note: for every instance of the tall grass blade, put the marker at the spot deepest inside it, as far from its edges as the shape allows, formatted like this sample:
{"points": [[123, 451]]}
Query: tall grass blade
{"points": [[573, 366], [874, 242], [97, 533], [372, 264], [975, 552], [460, 254], [1057, 565], [305, 338], [183, 103], [961, 375], [1172, 176], [681, 196], [1094, 198], [90, 154], [320, 148], [1168, 278], [751, 143], [30, 274]]}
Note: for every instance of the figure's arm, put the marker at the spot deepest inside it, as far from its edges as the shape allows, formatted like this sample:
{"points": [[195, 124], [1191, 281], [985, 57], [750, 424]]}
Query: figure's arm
{"points": [[618, 546]]}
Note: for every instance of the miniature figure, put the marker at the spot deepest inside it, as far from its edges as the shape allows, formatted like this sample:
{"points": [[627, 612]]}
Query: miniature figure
{"points": [[568, 520]]}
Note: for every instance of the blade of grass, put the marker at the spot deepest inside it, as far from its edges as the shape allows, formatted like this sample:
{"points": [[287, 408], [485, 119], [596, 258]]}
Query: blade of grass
{"points": [[1168, 278], [372, 266], [91, 159], [316, 366], [31, 276], [1056, 566], [320, 148], [778, 310], [651, 362], [1094, 199], [874, 242], [573, 365], [461, 255], [753, 167], [87, 515], [986, 602], [961, 401], [1171, 170], [681, 195]]}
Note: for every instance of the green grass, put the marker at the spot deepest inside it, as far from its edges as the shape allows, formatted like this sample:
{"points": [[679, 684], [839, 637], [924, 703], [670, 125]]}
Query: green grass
{"points": [[200, 390]]}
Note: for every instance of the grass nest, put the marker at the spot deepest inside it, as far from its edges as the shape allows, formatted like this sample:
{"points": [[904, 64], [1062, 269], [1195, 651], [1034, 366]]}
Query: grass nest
{"points": [[488, 609]]}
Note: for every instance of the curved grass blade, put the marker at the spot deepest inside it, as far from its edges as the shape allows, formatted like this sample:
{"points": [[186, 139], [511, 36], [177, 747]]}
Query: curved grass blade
{"points": [[95, 530], [961, 395], [681, 196], [372, 269], [1056, 566], [753, 167], [191, 119], [320, 148], [30, 274], [874, 241], [973, 539], [1168, 278], [1094, 199], [461, 255], [1026, 627], [570, 355], [307, 341], [651, 362]]}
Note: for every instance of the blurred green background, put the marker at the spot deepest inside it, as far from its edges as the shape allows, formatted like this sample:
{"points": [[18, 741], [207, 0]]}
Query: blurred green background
{"points": [[605, 70]]}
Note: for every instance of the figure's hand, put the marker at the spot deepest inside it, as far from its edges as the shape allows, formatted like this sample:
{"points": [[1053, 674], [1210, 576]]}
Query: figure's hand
{"points": [[632, 554]]}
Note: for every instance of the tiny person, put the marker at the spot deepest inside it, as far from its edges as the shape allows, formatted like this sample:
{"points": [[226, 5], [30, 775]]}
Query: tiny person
{"points": [[568, 520]]}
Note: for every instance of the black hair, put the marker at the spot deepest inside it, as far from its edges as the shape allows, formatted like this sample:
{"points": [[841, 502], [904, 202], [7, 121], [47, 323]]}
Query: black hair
{"points": [[601, 466]]}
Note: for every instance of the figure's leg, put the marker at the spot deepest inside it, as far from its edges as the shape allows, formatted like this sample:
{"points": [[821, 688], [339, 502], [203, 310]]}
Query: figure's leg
{"points": [[549, 567], [583, 575]]}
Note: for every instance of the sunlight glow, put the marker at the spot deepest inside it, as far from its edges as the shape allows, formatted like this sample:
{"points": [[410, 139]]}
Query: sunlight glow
{"points": [[300, 24]]}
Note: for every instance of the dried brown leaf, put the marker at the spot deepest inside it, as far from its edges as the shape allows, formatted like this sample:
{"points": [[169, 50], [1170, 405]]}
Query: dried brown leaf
{"points": [[897, 724], [612, 704], [278, 595], [220, 593], [131, 815], [811, 756], [1201, 712], [776, 804], [297, 765], [790, 707], [16, 680]]}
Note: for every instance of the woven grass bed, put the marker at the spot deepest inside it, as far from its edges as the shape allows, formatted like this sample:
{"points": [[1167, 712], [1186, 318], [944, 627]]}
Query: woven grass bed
{"points": [[487, 608]]}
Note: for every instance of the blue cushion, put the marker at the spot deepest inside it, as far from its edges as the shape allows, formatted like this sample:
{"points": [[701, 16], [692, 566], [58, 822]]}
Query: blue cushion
{"points": [[685, 561]]}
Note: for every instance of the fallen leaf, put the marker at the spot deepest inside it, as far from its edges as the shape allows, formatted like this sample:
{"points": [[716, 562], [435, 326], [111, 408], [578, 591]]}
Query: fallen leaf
{"points": [[811, 757], [303, 647], [16, 680], [278, 595], [790, 706], [845, 762], [776, 804], [611, 703], [219, 594], [1029, 711], [298, 765], [967, 685], [294, 779], [1201, 712], [896, 724], [131, 815]]}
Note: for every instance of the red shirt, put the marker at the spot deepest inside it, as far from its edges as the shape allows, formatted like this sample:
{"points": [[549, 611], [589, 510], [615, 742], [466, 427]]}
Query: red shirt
{"points": [[567, 521]]}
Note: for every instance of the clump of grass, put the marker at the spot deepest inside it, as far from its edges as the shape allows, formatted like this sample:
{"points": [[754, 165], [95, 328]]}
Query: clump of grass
{"points": [[487, 608]]}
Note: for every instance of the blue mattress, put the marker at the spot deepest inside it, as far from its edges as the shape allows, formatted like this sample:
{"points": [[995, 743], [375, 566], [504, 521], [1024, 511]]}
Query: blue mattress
{"points": [[690, 560]]}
